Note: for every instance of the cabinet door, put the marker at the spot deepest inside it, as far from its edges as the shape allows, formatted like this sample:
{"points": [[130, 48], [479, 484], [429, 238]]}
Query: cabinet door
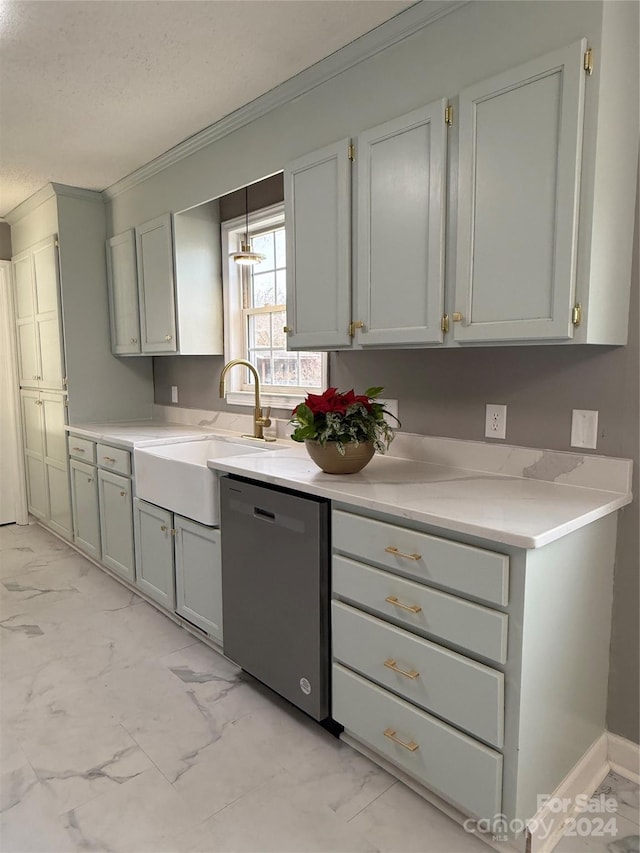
{"points": [[154, 247], [86, 513], [122, 278], [317, 197], [47, 315], [520, 149], [56, 462], [401, 217], [32, 436], [116, 523], [25, 319], [154, 552], [199, 575]]}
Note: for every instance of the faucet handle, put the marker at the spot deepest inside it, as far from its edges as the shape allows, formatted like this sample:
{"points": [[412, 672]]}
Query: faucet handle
{"points": [[264, 419]]}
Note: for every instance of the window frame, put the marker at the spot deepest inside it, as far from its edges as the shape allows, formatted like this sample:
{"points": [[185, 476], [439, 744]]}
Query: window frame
{"points": [[235, 335]]}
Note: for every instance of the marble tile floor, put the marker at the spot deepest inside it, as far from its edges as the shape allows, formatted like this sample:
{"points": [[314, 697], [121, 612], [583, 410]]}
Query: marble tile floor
{"points": [[120, 732]]}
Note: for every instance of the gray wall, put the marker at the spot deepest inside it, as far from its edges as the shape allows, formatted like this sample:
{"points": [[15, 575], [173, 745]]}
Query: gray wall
{"points": [[5, 241]]}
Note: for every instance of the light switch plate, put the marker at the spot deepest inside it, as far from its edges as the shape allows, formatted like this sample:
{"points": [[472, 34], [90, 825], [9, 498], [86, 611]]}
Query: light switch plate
{"points": [[584, 428]]}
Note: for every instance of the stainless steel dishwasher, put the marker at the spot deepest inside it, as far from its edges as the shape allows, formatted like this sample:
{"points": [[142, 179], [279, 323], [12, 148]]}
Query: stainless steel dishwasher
{"points": [[275, 589]]}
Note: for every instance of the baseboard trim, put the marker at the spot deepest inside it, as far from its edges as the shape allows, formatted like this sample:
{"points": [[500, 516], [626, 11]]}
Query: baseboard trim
{"points": [[623, 756]]}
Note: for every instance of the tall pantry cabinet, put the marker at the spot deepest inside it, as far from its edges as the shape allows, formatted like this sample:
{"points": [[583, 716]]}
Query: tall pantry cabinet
{"points": [[66, 370]]}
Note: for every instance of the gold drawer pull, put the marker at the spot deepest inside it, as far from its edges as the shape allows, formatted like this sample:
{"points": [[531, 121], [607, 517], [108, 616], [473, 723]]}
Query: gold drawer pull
{"points": [[390, 549], [412, 608], [79, 449], [109, 459], [392, 664], [391, 734]]}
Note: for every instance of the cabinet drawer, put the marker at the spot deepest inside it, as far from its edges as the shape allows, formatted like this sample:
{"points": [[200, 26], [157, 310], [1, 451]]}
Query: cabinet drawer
{"points": [[114, 459], [463, 771], [430, 559], [464, 692], [421, 609], [82, 448]]}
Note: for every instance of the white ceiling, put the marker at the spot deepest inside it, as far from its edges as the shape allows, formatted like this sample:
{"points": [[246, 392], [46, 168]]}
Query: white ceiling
{"points": [[90, 90]]}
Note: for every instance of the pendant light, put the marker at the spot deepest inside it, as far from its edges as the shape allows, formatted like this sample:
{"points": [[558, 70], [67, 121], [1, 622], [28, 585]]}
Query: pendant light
{"points": [[246, 257]]}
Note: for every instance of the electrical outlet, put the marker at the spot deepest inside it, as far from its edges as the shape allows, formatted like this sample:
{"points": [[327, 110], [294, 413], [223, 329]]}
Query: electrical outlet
{"points": [[495, 424], [174, 393], [584, 428]]}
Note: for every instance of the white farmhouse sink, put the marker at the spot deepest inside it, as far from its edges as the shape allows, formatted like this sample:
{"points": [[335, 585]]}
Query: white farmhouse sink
{"points": [[176, 477]]}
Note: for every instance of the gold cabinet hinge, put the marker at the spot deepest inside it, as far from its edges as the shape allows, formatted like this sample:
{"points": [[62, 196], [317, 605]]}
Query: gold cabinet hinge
{"points": [[356, 324], [588, 61], [576, 314], [352, 152], [444, 323], [448, 115]]}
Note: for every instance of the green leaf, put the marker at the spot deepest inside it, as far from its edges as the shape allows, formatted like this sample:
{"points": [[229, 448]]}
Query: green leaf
{"points": [[373, 392]]}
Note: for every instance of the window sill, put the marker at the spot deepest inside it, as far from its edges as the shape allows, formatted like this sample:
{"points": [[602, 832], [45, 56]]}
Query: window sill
{"points": [[275, 401]]}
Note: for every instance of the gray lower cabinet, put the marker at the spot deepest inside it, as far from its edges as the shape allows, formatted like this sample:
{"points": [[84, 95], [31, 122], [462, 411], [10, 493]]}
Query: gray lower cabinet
{"points": [[199, 575], [154, 552], [116, 523], [86, 509], [178, 565]]}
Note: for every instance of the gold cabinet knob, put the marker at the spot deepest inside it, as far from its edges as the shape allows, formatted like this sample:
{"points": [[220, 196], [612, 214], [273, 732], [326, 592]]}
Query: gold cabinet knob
{"points": [[123, 494], [168, 337], [287, 330], [457, 317], [133, 341]]}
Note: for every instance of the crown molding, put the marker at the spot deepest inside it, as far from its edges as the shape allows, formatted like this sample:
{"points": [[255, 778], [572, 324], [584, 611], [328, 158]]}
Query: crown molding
{"points": [[391, 32], [44, 194]]}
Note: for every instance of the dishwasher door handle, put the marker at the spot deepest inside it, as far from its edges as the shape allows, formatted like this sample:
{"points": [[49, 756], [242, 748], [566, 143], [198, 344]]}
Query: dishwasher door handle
{"points": [[264, 514]]}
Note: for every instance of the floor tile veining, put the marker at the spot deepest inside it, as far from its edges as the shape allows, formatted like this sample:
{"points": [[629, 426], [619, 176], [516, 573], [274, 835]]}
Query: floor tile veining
{"points": [[122, 733]]}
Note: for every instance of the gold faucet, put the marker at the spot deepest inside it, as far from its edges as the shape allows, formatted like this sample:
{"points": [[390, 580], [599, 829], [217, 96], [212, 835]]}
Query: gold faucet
{"points": [[260, 421]]}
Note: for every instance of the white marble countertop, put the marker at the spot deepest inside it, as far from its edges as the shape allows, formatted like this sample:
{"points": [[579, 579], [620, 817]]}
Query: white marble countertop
{"points": [[520, 511], [510, 495]]}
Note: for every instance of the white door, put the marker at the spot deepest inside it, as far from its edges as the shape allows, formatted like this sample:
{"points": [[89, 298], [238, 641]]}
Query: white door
{"points": [[199, 575], [154, 246], [317, 198], [13, 499], [122, 277], [520, 150], [154, 552], [401, 168]]}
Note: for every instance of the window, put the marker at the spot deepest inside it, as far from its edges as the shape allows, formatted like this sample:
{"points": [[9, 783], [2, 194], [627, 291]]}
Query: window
{"points": [[255, 316]]}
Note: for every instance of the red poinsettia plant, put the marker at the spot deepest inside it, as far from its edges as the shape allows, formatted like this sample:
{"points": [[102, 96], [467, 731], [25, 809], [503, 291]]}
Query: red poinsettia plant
{"points": [[343, 417]]}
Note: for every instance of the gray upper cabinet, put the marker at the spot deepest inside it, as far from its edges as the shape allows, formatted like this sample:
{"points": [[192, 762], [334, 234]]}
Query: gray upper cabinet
{"points": [[400, 170], [38, 320], [518, 200], [122, 279], [176, 276], [154, 247], [401, 167], [317, 196]]}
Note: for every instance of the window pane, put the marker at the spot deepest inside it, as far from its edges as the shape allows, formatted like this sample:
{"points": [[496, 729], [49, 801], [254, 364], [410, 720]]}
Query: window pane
{"points": [[264, 244], [259, 330], [310, 369], [281, 257], [281, 287], [285, 368], [263, 289], [278, 321], [262, 362]]}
